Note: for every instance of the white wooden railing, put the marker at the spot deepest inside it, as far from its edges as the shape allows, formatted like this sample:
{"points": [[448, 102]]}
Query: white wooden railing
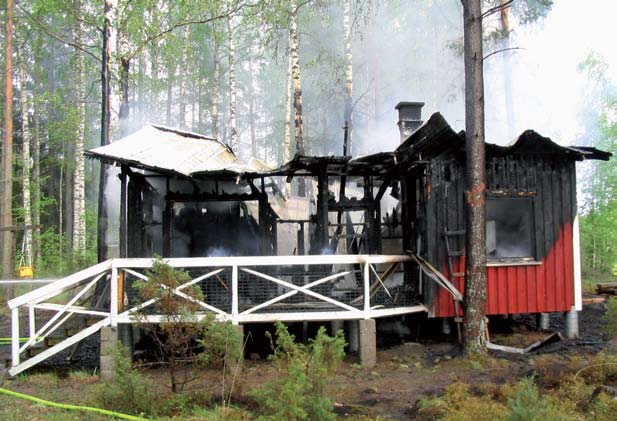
{"points": [[82, 284]]}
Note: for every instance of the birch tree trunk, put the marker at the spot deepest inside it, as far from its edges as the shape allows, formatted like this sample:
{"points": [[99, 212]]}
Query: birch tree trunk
{"points": [[287, 146], [216, 76], [348, 74], [474, 327], [6, 172], [252, 111], [25, 157], [171, 70], [36, 183], [297, 87], [79, 198], [184, 75], [233, 131]]}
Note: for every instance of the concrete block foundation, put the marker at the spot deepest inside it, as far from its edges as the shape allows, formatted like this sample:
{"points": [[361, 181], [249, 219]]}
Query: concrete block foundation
{"points": [[109, 340], [367, 343]]}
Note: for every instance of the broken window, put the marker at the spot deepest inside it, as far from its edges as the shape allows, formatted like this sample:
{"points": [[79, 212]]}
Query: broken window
{"points": [[509, 228]]}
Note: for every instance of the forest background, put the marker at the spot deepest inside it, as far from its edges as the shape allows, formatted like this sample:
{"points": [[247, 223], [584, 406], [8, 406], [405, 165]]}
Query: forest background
{"points": [[273, 78]]}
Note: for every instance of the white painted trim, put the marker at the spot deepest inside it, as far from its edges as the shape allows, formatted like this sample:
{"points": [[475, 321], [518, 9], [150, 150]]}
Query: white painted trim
{"points": [[294, 316], [300, 289], [192, 262], [15, 336], [42, 332], [72, 309], [578, 279], [113, 307], [18, 368], [367, 290], [60, 286], [292, 293]]}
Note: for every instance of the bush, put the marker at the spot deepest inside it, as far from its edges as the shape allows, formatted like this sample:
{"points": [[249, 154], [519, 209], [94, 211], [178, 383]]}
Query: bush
{"points": [[220, 344], [610, 318], [129, 390], [298, 392]]}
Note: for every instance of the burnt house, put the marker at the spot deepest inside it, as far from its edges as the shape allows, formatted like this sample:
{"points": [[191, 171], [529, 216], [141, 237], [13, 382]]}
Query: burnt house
{"points": [[533, 257]]}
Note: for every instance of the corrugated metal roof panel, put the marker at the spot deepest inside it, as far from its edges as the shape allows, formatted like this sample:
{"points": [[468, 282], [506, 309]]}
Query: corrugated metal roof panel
{"points": [[170, 150]]}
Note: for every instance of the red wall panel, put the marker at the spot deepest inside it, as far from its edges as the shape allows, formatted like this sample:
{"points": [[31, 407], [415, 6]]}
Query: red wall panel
{"points": [[547, 287]]}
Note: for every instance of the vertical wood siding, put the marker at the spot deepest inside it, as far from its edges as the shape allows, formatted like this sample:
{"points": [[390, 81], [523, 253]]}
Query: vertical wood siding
{"points": [[544, 287]]}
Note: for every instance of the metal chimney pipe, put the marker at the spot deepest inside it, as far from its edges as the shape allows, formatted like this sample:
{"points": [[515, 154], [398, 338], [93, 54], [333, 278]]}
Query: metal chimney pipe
{"points": [[409, 117]]}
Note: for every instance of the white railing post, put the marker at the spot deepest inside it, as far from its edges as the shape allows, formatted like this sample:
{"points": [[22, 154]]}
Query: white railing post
{"points": [[15, 336], [31, 322], [234, 294], [113, 310], [367, 290]]}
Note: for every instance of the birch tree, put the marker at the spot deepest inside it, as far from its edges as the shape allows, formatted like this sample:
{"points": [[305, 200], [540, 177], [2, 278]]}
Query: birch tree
{"points": [[216, 78], [25, 154], [233, 130], [287, 138], [184, 74], [79, 182], [348, 73], [297, 86]]}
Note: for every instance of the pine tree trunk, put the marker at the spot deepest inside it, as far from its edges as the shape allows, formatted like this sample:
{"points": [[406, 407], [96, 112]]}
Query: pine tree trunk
{"points": [[297, 87], [233, 130], [474, 327], [348, 73], [6, 172], [106, 105], [184, 70], [79, 198], [25, 158], [507, 72]]}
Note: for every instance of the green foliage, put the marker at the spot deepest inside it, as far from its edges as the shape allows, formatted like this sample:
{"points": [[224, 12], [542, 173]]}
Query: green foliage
{"points": [[186, 341], [526, 404], [610, 318], [599, 202], [299, 391], [129, 390]]}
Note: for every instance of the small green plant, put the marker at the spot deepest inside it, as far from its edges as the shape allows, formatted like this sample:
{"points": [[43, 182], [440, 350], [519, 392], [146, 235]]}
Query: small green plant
{"points": [[186, 341], [610, 318], [299, 391], [129, 390], [526, 403]]}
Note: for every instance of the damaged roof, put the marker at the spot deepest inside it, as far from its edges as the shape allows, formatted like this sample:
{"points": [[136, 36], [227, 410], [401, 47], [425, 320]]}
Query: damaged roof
{"points": [[436, 137], [162, 149]]}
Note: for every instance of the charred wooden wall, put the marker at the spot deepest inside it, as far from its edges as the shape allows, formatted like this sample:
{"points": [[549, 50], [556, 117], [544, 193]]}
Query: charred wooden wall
{"points": [[545, 285]]}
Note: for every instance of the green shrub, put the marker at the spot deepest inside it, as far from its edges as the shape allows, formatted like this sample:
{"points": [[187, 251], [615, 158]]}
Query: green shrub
{"points": [[526, 404], [610, 318], [221, 342], [129, 390], [298, 392]]}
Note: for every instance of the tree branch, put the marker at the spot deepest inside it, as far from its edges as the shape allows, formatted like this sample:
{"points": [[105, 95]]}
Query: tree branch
{"points": [[501, 51], [177, 25], [57, 37], [496, 9]]}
